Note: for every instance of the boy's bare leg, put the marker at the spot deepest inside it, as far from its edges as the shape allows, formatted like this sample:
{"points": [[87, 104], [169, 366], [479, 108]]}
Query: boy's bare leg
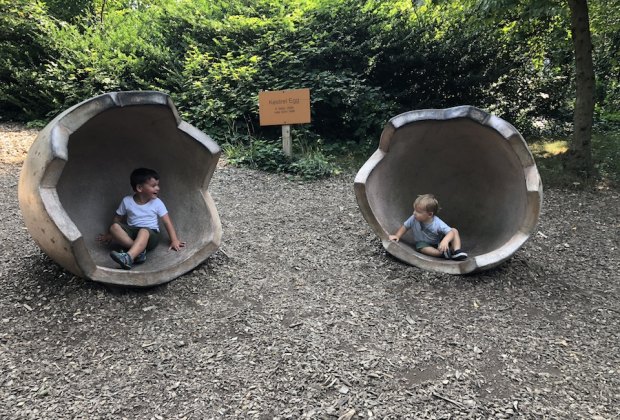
{"points": [[120, 236], [433, 252], [456, 241], [139, 244]]}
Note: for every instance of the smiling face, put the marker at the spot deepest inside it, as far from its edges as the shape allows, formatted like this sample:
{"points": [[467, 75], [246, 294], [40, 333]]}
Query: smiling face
{"points": [[148, 190]]}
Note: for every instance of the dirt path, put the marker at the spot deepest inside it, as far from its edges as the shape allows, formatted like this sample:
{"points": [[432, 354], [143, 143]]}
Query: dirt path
{"points": [[303, 315]]}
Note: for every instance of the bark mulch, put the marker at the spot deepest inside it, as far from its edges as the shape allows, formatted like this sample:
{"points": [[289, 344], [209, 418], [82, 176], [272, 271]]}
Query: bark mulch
{"points": [[301, 314]]}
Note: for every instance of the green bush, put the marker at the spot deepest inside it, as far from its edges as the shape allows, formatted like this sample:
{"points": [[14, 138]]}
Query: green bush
{"points": [[123, 53], [312, 165], [606, 155], [26, 42], [309, 163], [364, 62]]}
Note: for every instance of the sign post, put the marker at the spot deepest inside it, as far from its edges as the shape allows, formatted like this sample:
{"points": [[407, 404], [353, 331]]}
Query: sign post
{"points": [[284, 107], [287, 143]]}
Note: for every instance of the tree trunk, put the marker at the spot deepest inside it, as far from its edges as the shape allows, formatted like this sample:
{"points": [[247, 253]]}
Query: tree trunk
{"points": [[102, 11], [580, 156]]}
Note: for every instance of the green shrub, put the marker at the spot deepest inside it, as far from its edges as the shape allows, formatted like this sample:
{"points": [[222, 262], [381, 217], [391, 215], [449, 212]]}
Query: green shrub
{"points": [[268, 156], [551, 154], [606, 155], [26, 41], [310, 163], [364, 63], [258, 154], [123, 53]]}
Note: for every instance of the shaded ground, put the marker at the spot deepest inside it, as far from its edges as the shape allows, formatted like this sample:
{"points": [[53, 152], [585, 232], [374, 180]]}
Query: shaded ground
{"points": [[303, 315]]}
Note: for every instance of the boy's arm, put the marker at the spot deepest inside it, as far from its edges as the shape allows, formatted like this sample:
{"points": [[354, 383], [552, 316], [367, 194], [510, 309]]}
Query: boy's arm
{"points": [[399, 233], [175, 243], [445, 242]]}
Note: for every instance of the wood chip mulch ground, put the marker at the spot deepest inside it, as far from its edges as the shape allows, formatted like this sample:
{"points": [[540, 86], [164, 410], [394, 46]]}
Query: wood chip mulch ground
{"points": [[302, 314]]}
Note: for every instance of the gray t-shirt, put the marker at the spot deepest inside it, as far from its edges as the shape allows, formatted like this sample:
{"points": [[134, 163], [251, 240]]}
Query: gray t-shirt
{"points": [[432, 233]]}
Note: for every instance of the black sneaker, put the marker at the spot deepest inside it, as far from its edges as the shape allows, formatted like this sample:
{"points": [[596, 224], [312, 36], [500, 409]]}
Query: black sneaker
{"points": [[140, 258], [123, 259], [459, 255], [447, 254]]}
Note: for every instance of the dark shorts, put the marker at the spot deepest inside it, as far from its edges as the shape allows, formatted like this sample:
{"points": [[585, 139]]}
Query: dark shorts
{"points": [[421, 244], [132, 231]]}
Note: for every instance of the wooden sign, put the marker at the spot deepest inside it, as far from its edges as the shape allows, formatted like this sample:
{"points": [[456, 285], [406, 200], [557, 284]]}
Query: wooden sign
{"points": [[284, 107]]}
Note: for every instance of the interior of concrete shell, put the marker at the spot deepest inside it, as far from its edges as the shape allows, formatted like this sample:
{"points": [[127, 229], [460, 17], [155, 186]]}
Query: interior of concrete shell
{"points": [[102, 154], [469, 167]]}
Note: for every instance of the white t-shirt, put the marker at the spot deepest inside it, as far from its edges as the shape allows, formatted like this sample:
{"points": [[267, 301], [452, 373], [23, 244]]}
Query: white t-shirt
{"points": [[142, 215]]}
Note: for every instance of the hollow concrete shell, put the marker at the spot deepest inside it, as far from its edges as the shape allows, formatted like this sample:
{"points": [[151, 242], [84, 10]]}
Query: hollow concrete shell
{"points": [[77, 171], [476, 164]]}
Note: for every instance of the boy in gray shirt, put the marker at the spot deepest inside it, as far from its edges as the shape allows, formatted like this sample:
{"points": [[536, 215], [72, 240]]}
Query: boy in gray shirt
{"points": [[432, 236]]}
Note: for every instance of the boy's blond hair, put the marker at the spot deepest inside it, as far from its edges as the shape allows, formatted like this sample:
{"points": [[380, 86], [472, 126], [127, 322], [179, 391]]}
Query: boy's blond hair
{"points": [[427, 202]]}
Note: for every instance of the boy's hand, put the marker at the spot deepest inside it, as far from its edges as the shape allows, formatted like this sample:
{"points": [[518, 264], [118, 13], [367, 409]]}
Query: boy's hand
{"points": [[443, 245], [176, 245], [105, 238], [394, 238]]}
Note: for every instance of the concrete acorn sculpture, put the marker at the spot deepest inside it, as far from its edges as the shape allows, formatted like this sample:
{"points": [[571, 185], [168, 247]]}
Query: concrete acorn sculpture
{"points": [[476, 164], [77, 170]]}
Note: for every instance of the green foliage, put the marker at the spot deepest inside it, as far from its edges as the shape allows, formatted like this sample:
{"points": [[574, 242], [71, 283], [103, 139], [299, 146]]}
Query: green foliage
{"points": [[267, 155], [364, 62], [606, 155], [25, 45], [68, 10], [65, 63], [124, 53], [314, 164], [605, 27], [551, 155], [216, 90], [535, 44]]}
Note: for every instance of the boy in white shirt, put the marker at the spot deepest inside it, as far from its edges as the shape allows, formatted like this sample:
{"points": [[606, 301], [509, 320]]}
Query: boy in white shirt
{"points": [[432, 236], [135, 226]]}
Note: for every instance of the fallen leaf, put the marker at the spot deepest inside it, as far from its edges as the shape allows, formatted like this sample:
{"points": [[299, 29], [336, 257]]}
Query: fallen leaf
{"points": [[348, 415]]}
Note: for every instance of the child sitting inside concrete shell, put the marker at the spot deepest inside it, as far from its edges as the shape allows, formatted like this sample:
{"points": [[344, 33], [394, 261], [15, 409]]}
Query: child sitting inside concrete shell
{"points": [[431, 234], [135, 226]]}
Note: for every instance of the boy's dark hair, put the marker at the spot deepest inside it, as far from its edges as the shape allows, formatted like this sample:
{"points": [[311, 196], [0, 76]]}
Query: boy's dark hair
{"points": [[141, 175]]}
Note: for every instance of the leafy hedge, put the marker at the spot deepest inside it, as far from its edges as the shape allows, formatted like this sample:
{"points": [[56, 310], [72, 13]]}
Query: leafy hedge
{"points": [[363, 61], [25, 46]]}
